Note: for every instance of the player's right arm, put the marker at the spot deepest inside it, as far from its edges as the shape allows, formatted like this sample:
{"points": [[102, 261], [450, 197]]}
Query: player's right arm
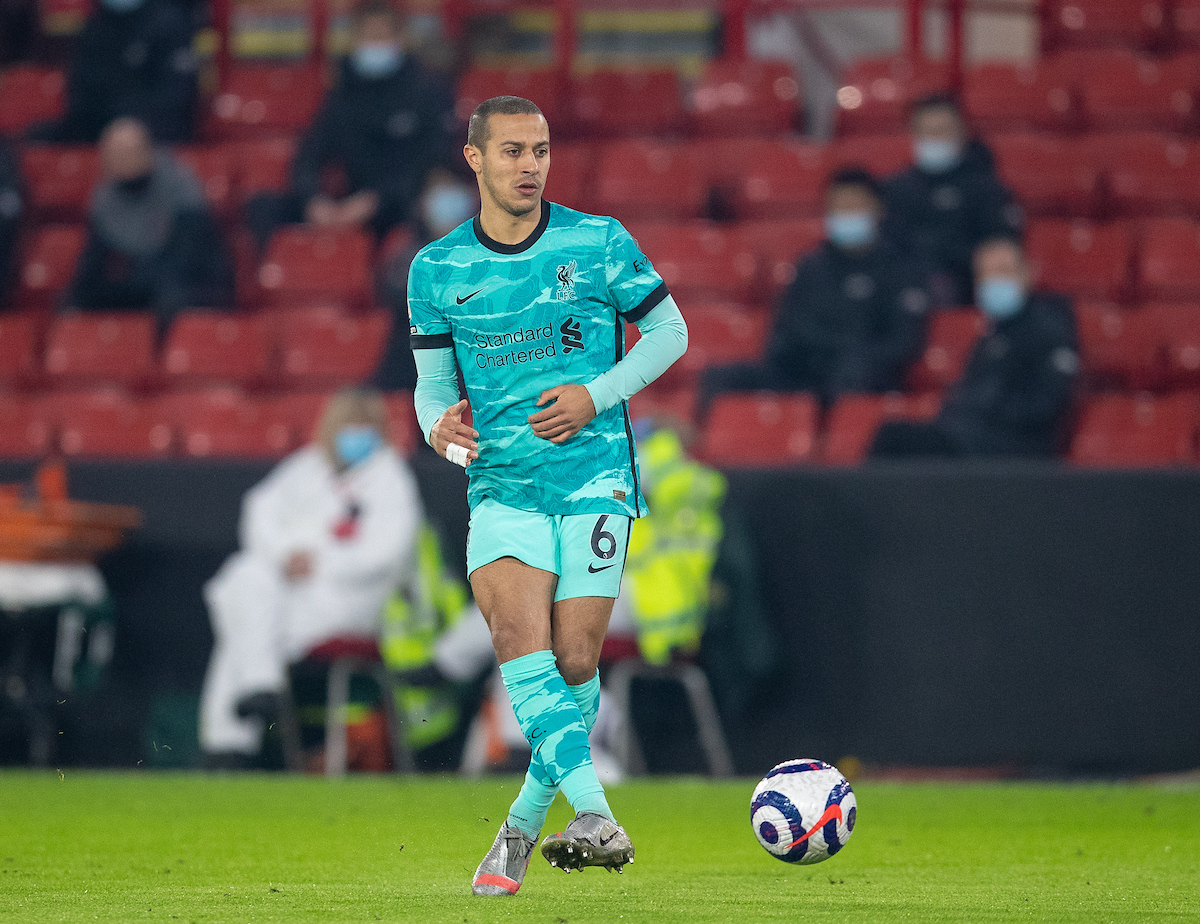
{"points": [[439, 405]]}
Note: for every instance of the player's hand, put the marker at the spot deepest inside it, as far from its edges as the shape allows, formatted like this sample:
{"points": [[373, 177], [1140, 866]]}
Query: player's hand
{"points": [[450, 429], [570, 410]]}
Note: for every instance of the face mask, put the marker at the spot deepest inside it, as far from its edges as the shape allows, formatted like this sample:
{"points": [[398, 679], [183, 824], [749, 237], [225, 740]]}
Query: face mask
{"points": [[354, 444], [135, 186], [935, 156], [122, 6], [1000, 297], [850, 230], [377, 59], [447, 207]]}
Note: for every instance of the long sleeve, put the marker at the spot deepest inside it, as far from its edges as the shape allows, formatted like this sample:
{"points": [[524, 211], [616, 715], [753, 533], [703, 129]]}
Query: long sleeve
{"points": [[437, 385], [664, 339]]}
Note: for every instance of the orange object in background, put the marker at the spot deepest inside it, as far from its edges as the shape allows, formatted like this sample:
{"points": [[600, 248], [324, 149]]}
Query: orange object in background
{"points": [[52, 528]]}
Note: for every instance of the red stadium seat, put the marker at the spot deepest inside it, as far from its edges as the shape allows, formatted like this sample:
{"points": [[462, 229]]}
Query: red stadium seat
{"points": [[778, 245], [59, 181], [1049, 175], [403, 428], [324, 350], [19, 337], [1121, 91], [876, 94], [854, 420], [621, 103], [1186, 23], [760, 429], [300, 411], [215, 169], [48, 264], [204, 346], [1142, 23], [115, 347], [747, 98], [1009, 96], [25, 432], [1169, 265], [1081, 258], [542, 87], [30, 94], [698, 259], [1119, 347], [719, 333], [109, 424], [1178, 341], [305, 266], [224, 423], [1136, 430], [261, 166], [949, 341], [757, 178], [260, 101], [647, 180], [674, 407], [1148, 173], [880, 155], [572, 167]]}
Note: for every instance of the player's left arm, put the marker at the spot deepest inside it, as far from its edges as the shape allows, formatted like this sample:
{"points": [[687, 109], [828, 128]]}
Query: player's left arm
{"points": [[567, 409]]}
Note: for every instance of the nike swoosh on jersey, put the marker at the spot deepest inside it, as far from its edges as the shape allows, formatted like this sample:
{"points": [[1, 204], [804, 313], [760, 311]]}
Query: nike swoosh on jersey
{"points": [[463, 301], [594, 570]]}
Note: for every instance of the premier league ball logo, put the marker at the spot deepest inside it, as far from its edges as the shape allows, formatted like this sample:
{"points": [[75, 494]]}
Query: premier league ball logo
{"points": [[803, 811]]}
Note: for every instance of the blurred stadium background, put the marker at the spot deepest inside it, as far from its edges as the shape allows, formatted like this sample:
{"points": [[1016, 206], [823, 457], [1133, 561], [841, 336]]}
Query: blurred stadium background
{"points": [[1020, 617]]}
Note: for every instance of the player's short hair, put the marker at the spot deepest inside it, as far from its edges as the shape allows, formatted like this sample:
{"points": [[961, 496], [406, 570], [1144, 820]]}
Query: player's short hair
{"points": [[478, 129], [856, 177], [936, 101]]}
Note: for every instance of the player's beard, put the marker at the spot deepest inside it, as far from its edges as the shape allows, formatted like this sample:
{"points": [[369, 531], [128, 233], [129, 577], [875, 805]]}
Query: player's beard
{"points": [[516, 209]]}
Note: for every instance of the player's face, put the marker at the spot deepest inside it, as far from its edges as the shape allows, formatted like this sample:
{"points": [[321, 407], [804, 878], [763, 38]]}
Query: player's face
{"points": [[513, 163]]}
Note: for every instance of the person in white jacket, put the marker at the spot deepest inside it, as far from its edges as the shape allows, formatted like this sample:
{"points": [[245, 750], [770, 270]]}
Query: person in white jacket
{"points": [[325, 539]]}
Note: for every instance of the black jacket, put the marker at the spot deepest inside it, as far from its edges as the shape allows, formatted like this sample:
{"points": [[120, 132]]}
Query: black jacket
{"points": [[849, 322], [1018, 383], [136, 64], [12, 206], [384, 133], [941, 218]]}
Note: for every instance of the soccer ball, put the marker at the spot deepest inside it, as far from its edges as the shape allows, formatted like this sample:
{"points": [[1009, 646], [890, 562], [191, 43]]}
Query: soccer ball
{"points": [[803, 811]]}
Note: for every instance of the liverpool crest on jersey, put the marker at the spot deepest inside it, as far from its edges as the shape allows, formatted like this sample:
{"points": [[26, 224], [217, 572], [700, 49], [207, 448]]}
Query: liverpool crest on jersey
{"points": [[566, 282]]}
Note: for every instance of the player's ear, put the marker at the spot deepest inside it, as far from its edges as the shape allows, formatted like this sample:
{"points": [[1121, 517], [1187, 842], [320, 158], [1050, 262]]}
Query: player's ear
{"points": [[474, 157]]}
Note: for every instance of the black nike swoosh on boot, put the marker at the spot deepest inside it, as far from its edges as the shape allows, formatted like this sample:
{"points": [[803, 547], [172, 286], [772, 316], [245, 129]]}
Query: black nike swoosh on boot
{"points": [[605, 841], [463, 301]]}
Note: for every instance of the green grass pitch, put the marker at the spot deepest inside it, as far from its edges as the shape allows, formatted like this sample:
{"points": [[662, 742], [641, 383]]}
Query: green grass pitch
{"points": [[87, 847]]}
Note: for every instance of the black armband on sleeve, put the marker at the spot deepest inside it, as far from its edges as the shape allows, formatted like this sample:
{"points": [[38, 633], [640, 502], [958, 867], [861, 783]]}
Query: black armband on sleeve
{"points": [[648, 304]]}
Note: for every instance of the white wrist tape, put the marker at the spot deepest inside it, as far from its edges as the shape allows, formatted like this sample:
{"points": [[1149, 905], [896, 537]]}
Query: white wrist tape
{"points": [[457, 454]]}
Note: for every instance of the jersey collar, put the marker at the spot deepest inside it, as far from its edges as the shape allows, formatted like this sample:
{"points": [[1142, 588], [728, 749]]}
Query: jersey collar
{"points": [[524, 245]]}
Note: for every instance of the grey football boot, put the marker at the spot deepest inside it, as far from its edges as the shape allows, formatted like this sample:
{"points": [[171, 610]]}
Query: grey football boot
{"points": [[590, 840], [503, 869]]}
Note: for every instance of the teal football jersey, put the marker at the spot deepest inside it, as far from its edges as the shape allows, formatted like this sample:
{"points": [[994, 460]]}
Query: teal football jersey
{"points": [[527, 317]]}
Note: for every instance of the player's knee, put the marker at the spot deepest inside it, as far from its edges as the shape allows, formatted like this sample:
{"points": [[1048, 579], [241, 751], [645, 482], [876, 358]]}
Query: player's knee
{"points": [[577, 667]]}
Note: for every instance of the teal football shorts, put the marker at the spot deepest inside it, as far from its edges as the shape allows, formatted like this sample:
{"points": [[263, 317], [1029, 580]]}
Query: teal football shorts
{"points": [[586, 550]]}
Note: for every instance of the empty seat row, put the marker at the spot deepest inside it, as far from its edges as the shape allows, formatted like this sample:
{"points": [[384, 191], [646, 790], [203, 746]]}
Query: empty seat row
{"points": [[220, 423], [314, 348]]}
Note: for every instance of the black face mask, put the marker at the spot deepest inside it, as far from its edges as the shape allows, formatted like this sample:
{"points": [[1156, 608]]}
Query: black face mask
{"points": [[135, 186]]}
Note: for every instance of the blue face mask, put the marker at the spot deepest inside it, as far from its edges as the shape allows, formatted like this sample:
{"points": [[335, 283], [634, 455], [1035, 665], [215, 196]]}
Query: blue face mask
{"points": [[936, 156], [122, 6], [447, 207], [355, 443], [1000, 297], [851, 230], [373, 60]]}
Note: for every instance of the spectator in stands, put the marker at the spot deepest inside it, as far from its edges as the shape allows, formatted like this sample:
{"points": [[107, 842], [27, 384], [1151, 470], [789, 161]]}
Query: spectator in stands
{"points": [[326, 537], [950, 200], [445, 204], [1018, 382], [133, 59], [11, 209], [385, 124], [853, 317], [153, 241]]}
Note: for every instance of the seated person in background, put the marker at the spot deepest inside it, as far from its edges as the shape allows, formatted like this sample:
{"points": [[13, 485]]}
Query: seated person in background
{"points": [[133, 59], [950, 200], [385, 124], [326, 538], [853, 317], [1018, 382], [444, 205], [153, 241], [12, 206]]}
